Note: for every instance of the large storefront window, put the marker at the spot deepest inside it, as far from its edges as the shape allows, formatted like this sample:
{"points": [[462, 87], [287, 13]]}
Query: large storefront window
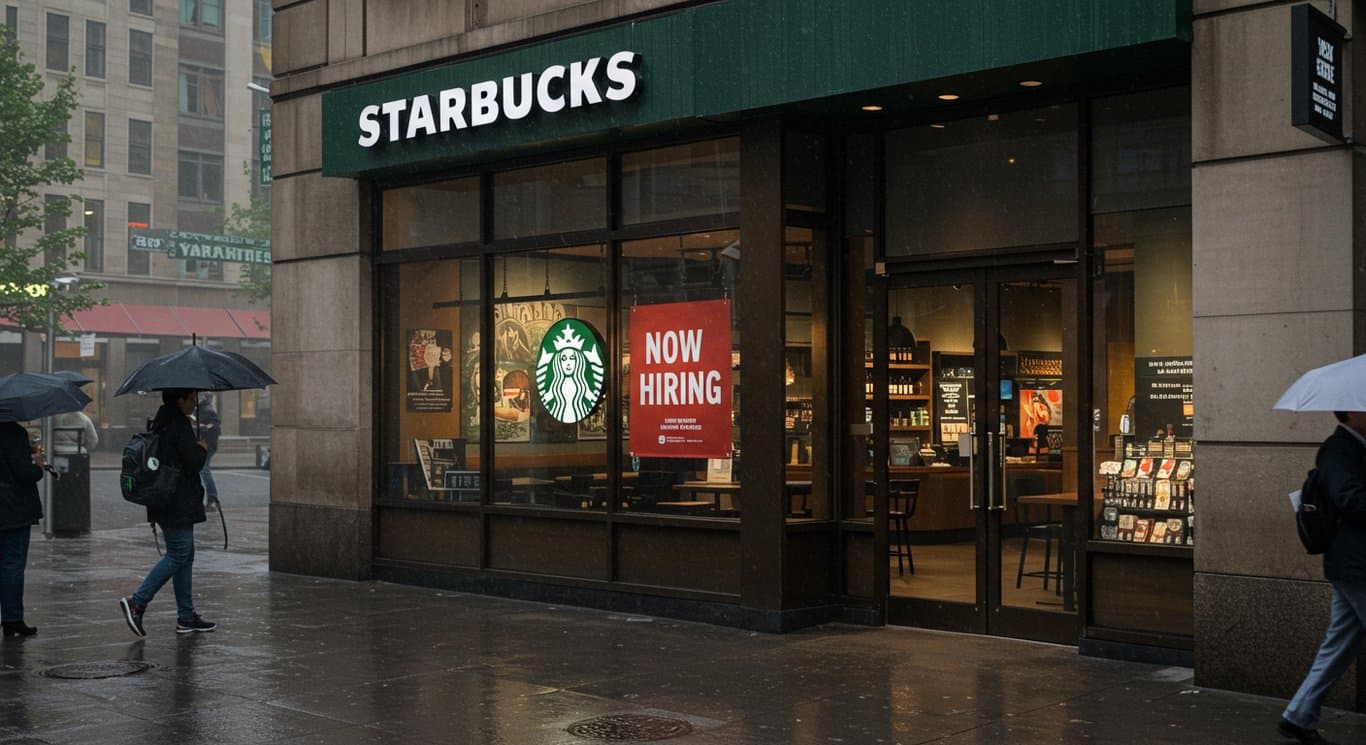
{"points": [[431, 387], [1145, 480], [546, 363], [682, 270], [551, 359], [1003, 180]]}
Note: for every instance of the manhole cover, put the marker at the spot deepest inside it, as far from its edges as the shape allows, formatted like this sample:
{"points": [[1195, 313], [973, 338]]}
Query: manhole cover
{"points": [[96, 670], [630, 727]]}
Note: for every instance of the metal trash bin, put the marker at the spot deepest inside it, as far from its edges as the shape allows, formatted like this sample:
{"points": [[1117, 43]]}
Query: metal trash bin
{"points": [[71, 495]]}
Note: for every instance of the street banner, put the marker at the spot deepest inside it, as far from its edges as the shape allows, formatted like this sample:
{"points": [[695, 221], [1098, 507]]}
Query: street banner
{"points": [[201, 246], [680, 380]]}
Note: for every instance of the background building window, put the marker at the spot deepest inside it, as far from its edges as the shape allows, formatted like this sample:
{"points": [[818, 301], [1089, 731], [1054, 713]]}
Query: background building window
{"points": [[54, 222], [139, 218], [55, 148], [12, 20], [94, 235], [201, 14], [139, 147], [264, 18], [139, 58], [141, 7], [58, 41], [94, 49], [94, 139], [201, 176], [201, 91]]}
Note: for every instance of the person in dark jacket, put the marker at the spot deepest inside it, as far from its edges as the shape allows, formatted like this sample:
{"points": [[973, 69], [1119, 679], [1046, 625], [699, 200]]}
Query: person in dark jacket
{"points": [[1341, 463], [210, 427], [21, 468], [178, 447]]}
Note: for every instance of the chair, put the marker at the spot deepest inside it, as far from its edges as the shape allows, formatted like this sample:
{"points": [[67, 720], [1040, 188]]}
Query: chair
{"points": [[1049, 531], [903, 496]]}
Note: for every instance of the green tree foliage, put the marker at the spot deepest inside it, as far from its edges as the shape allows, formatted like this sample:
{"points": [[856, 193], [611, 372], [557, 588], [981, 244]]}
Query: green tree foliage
{"points": [[31, 259], [251, 221]]}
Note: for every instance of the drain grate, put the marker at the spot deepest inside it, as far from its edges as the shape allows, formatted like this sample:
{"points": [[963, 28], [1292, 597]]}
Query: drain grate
{"points": [[630, 728], [97, 670]]}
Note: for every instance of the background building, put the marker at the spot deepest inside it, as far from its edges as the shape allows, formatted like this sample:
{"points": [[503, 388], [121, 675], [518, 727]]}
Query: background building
{"points": [[166, 131]]}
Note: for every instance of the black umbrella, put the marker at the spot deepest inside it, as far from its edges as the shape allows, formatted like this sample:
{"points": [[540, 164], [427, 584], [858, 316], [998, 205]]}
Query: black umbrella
{"points": [[199, 369], [196, 368], [73, 376], [27, 395]]}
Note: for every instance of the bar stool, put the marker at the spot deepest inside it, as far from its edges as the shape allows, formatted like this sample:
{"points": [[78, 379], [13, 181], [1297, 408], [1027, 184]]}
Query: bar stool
{"points": [[903, 496], [1048, 530]]}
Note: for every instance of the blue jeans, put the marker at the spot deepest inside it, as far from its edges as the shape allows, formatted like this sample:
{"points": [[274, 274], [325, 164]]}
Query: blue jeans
{"points": [[175, 566], [1346, 632], [13, 560], [206, 475]]}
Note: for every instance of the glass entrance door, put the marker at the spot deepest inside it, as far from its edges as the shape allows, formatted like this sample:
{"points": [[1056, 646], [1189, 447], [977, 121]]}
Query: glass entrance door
{"points": [[980, 476]]}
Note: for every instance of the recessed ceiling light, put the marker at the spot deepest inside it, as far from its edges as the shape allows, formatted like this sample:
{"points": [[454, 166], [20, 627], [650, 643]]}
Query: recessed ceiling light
{"points": [[993, 117], [1031, 83], [1010, 161], [948, 96], [871, 107], [937, 126], [88, 213]]}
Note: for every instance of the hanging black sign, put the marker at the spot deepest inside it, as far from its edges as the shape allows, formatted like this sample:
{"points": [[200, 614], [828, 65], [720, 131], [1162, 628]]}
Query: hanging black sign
{"points": [[1317, 46]]}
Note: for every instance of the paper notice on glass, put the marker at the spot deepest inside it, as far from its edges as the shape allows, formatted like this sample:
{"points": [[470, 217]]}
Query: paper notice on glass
{"points": [[1295, 500]]}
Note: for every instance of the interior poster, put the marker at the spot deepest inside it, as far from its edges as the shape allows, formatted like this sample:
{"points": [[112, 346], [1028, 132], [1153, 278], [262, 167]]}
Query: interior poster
{"points": [[1164, 395], [680, 380], [430, 374], [1040, 407]]}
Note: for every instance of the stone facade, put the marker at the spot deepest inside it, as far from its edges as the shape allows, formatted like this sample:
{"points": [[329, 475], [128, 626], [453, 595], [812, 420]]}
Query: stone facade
{"points": [[1277, 279]]}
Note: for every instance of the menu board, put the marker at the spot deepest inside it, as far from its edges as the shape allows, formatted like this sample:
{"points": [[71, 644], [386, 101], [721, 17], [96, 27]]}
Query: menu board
{"points": [[953, 385], [1163, 395]]}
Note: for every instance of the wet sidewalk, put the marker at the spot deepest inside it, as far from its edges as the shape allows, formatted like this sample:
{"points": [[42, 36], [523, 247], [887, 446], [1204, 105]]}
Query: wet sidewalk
{"points": [[301, 660]]}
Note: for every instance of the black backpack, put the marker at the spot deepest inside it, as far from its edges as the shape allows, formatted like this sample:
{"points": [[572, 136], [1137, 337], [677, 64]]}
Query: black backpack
{"points": [[1317, 518], [145, 479]]}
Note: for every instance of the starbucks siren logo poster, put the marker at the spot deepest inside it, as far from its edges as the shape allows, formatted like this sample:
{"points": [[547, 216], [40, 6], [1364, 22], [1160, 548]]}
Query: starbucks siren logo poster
{"points": [[570, 374]]}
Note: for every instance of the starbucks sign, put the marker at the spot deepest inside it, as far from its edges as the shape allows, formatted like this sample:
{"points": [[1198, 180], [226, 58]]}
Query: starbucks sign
{"points": [[570, 374]]}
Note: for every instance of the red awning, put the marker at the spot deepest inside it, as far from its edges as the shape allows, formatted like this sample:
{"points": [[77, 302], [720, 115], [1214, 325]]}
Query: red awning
{"points": [[103, 319], [155, 320], [208, 323], [255, 324]]}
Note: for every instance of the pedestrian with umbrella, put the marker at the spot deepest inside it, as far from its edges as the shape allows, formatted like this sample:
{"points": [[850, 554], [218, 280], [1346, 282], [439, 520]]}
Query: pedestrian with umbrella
{"points": [[1341, 480], [25, 396], [180, 377]]}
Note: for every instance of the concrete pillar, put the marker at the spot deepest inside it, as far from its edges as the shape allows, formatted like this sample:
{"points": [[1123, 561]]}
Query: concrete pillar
{"points": [[321, 353], [1275, 293]]}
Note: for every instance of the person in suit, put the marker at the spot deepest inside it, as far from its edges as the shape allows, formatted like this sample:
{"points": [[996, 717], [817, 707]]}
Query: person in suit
{"points": [[177, 446], [21, 468], [1341, 463]]}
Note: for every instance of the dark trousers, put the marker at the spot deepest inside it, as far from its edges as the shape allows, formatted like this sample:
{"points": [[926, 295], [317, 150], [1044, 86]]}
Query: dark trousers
{"points": [[13, 561]]}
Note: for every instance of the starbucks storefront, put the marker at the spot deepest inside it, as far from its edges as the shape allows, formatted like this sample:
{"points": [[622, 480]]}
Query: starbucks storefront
{"points": [[852, 343]]}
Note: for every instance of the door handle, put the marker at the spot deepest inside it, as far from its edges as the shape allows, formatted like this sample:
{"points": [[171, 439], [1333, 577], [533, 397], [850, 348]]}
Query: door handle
{"points": [[997, 458], [971, 441], [1001, 459]]}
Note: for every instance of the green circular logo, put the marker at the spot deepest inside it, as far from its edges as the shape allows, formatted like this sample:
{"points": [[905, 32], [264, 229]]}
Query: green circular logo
{"points": [[570, 374]]}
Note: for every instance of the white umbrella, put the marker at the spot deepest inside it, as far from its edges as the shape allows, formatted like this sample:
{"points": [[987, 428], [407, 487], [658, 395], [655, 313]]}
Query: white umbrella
{"points": [[1340, 386]]}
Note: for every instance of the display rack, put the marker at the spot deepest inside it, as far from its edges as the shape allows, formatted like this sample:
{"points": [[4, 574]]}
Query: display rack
{"points": [[1149, 496]]}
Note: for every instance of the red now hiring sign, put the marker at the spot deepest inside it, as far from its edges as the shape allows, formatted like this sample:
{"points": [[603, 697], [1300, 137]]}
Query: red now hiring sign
{"points": [[680, 380]]}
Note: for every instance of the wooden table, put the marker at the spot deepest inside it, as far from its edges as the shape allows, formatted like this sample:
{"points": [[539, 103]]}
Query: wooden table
{"points": [[1068, 502], [714, 488]]}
